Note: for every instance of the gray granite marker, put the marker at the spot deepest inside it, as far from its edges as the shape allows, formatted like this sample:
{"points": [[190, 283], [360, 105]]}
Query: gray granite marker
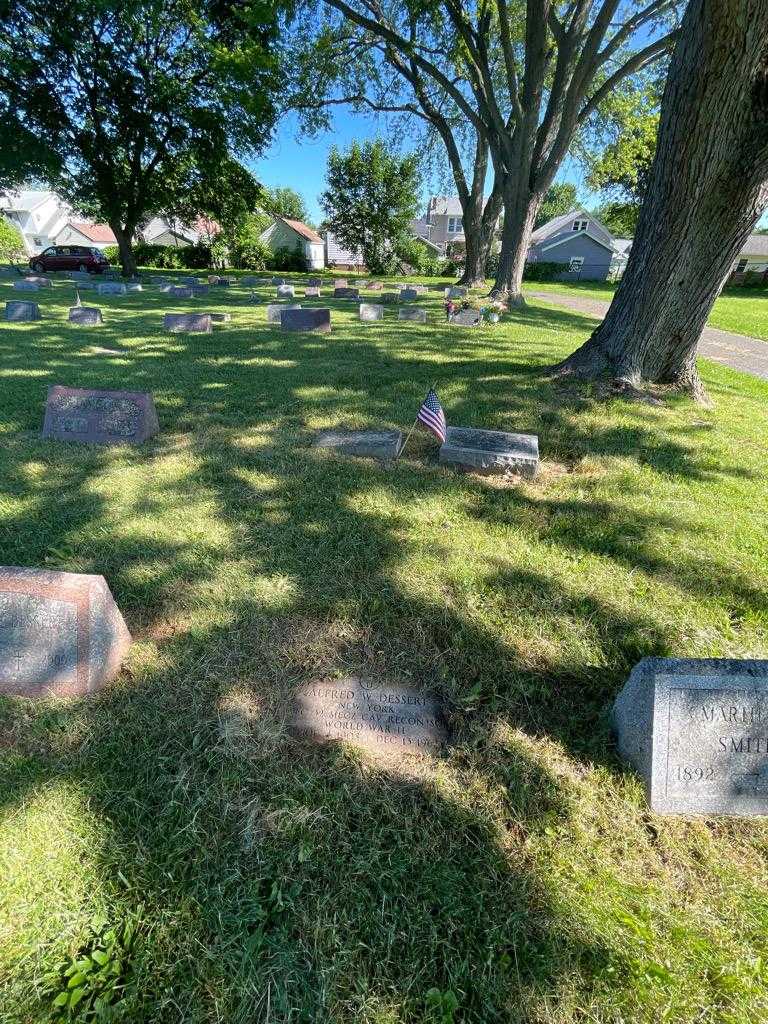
{"points": [[285, 291], [26, 286], [346, 293], [696, 730], [187, 323], [408, 294], [376, 716], [367, 444], [85, 316], [467, 318], [22, 312], [312, 293], [110, 288], [178, 291], [414, 313], [491, 451], [456, 291], [371, 311], [274, 310], [315, 320]]}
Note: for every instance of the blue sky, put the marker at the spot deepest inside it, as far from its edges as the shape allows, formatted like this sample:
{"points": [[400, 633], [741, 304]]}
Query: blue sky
{"points": [[300, 163]]}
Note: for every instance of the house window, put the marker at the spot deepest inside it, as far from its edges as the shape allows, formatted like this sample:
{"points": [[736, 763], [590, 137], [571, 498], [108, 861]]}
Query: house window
{"points": [[741, 266], [37, 241], [580, 225], [454, 225], [577, 262]]}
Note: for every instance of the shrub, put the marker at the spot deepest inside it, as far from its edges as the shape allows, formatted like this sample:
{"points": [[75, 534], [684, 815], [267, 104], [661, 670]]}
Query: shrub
{"points": [[284, 258], [544, 271], [112, 253], [252, 255]]}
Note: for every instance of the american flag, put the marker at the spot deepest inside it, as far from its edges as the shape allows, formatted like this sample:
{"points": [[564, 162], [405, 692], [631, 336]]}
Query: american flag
{"points": [[432, 416]]}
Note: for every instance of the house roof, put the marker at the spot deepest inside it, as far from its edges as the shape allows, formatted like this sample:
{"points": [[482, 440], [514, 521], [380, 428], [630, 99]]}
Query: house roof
{"points": [[302, 229], [26, 200], [558, 224], [755, 245], [95, 232], [441, 205]]}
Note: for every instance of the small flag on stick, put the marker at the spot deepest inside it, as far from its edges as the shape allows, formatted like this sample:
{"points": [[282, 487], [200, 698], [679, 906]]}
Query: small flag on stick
{"points": [[431, 415]]}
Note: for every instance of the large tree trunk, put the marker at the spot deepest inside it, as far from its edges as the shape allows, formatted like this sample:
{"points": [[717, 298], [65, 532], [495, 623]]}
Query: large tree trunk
{"points": [[706, 190], [520, 209], [479, 229], [124, 234]]}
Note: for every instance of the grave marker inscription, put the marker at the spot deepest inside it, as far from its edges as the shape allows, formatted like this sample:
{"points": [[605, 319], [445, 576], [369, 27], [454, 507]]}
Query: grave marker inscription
{"points": [[491, 451], [375, 716], [371, 311], [92, 416], [85, 316], [367, 444], [315, 320], [22, 312], [187, 323]]}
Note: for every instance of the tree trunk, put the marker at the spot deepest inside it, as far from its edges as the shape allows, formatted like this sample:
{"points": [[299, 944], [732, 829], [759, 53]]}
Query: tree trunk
{"points": [[706, 190], [520, 209], [124, 234], [479, 228]]}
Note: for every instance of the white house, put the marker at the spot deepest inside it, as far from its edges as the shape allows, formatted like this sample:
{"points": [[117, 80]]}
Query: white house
{"points": [[76, 232], [336, 255], [298, 238], [753, 257], [171, 232], [39, 216]]}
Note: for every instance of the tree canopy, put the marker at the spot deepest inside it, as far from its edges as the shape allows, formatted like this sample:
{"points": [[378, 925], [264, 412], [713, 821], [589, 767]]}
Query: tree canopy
{"points": [[285, 202], [128, 105], [559, 198], [372, 196]]}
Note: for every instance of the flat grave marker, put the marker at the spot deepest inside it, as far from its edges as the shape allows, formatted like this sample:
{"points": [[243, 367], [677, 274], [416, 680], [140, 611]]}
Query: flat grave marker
{"points": [[285, 291], [317, 320], [491, 451], [94, 416], [467, 318], [179, 291], [365, 444], [110, 288], [275, 309], [408, 294], [341, 282], [371, 311], [43, 282], [61, 633], [85, 316], [26, 286], [375, 716], [346, 293], [187, 323], [696, 730], [312, 293], [415, 313], [22, 312]]}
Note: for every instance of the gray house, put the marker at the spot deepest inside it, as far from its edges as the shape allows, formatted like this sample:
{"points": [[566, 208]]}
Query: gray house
{"points": [[442, 224], [577, 240]]}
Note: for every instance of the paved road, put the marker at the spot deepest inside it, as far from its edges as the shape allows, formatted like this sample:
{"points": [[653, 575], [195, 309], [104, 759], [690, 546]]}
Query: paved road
{"points": [[750, 355]]}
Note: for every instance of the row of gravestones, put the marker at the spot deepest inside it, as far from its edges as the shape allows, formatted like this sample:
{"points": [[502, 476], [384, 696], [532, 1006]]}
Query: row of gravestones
{"points": [[696, 731]]}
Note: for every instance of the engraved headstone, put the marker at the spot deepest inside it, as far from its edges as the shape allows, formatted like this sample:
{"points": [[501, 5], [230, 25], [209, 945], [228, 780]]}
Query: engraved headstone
{"points": [[456, 291], [220, 318], [408, 294], [200, 289], [93, 416], [375, 286], [467, 318], [312, 293], [697, 733], [415, 313], [340, 282], [375, 716], [213, 279], [317, 320], [61, 633], [314, 282], [21, 312], [278, 280], [368, 444], [275, 309], [43, 282], [26, 286], [491, 451], [110, 288], [285, 291], [187, 323], [371, 311], [346, 293], [85, 316], [223, 282], [180, 292]]}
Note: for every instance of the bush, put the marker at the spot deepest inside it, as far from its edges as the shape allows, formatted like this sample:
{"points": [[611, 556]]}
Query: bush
{"points": [[287, 259], [250, 256], [544, 271], [112, 253], [415, 254], [166, 257], [11, 243]]}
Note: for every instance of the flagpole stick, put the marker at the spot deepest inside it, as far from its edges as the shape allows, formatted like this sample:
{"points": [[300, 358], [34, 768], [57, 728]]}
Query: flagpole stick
{"points": [[408, 438]]}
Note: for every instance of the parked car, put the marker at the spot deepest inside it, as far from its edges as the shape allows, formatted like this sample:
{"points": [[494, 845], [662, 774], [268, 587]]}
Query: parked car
{"points": [[70, 257]]}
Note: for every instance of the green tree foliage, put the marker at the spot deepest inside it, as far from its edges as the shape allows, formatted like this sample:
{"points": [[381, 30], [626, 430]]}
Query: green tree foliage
{"points": [[558, 199], [372, 196], [131, 105], [11, 244], [619, 218], [284, 202], [623, 167]]}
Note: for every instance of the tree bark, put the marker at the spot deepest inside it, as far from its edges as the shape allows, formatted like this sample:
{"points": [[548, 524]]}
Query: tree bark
{"points": [[124, 235], [707, 189], [520, 209], [479, 229]]}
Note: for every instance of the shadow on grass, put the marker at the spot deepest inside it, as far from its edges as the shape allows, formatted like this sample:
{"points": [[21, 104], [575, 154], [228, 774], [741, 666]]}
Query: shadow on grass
{"points": [[288, 884]]}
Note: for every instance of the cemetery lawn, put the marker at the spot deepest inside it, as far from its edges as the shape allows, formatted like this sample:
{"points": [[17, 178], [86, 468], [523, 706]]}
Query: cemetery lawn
{"points": [[223, 873], [741, 310]]}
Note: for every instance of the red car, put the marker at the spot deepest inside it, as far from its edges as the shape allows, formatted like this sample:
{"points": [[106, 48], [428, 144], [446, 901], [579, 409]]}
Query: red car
{"points": [[70, 257]]}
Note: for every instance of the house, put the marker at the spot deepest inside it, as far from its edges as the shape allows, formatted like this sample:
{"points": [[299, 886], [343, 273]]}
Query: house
{"points": [[753, 257], [336, 255], [39, 216], [298, 238], [579, 241], [76, 232], [161, 231], [442, 224]]}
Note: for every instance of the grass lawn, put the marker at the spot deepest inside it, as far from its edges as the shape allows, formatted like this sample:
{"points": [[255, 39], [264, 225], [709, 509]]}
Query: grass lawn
{"points": [[248, 879], [741, 310]]}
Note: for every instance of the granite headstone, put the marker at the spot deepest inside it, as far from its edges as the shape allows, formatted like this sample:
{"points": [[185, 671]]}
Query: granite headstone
{"points": [[285, 291], [346, 293], [187, 323], [371, 311], [317, 320], [367, 444], [93, 416], [22, 312], [85, 316], [415, 313], [275, 309], [491, 451]]}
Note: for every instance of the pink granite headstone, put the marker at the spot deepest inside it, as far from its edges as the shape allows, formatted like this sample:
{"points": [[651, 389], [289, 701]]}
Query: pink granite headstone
{"points": [[99, 417], [61, 633]]}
